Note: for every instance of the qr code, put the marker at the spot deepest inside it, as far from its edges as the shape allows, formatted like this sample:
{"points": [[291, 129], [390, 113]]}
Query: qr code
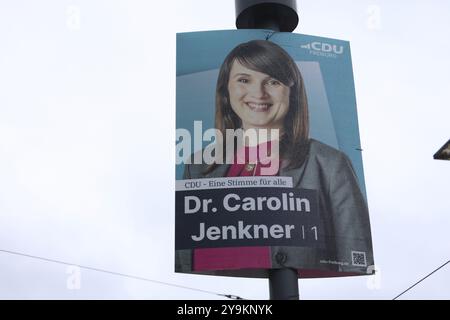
{"points": [[359, 259]]}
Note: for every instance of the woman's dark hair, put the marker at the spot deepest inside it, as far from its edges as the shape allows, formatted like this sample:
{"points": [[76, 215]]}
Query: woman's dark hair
{"points": [[266, 57]]}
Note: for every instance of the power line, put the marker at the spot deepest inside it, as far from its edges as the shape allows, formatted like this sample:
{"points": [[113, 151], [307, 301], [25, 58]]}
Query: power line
{"points": [[119, 274], [422, 279], [229, 296]]}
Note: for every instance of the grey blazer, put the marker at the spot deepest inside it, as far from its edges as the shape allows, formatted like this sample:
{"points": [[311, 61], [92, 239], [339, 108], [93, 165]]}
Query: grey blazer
{"points": [[341, 204]]}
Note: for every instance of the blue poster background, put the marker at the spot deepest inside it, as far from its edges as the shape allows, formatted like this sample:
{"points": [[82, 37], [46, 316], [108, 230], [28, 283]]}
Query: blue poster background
{"points": [[324, 63]]}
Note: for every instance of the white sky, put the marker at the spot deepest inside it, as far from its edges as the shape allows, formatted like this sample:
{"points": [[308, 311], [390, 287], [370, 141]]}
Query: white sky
{"points": [[87, 123]]}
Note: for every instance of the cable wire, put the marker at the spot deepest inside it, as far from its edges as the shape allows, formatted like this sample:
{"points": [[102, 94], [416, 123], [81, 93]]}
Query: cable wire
{"points": [[229, 296], [422, 279], [269, 35], [120, 274]]}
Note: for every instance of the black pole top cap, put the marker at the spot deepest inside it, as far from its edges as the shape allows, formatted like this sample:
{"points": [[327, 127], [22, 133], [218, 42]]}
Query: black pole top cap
{"points": [[278, 15]]}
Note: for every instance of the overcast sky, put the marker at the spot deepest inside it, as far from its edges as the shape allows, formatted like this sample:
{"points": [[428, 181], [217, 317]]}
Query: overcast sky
{"points": [[87, 153]]}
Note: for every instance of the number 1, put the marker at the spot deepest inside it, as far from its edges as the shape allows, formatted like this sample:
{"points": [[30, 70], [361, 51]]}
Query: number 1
{"points": [[315, 231]]}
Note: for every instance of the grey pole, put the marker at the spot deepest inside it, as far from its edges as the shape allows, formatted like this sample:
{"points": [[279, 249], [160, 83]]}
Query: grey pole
{"points": [[283, 284], [276, 15]]}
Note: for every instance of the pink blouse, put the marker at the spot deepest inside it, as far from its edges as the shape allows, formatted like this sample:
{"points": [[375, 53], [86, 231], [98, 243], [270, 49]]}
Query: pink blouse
{"points": [[209, 259]]}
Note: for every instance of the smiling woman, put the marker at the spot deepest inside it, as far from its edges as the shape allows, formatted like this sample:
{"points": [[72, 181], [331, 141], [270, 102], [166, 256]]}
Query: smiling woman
{"points": [[258, 99], [259, 86]]}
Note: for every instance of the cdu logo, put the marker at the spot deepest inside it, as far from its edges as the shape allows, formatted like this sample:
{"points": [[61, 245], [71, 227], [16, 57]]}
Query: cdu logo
{"points": [[324, 49]]}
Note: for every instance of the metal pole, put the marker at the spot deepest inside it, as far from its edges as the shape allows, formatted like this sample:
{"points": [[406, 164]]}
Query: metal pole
{"points": [[276, 15], [283, 284]]}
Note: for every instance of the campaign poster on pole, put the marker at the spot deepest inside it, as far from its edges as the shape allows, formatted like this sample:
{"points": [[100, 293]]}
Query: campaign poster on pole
{"points": [[269, 171]]}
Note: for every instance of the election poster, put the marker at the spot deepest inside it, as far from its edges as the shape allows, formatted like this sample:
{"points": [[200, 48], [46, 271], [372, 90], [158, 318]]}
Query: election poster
{"points": [[269, 171]]}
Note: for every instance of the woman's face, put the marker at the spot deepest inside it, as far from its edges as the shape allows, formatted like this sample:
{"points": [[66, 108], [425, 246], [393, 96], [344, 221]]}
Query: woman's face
{"points": [[258, 99]]}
